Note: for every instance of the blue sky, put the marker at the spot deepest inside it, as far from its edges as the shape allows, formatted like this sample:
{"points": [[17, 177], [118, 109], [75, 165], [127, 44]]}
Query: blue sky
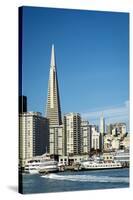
{"points": [[92, 53]]}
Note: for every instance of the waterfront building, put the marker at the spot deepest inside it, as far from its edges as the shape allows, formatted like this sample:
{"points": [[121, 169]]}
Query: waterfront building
{"points": [[85, 137], [108, 157], [119, 156], [22, 104], [33, 135], [72, 131], [122, 156], [95, 138], [53, 109], [70, 160]]}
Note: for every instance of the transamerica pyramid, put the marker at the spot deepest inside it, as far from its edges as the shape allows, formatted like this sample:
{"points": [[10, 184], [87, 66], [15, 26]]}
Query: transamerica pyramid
{"points": [[53, 109]]}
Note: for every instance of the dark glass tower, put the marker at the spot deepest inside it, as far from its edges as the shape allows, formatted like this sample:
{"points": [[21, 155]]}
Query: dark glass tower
{"points": [[22, 104]]}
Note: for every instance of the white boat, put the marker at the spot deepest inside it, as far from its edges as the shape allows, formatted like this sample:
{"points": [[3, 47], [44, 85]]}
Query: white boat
{"points": [[95, 165], [61, 167], [48, 166], [41, 164], [32, 167]]}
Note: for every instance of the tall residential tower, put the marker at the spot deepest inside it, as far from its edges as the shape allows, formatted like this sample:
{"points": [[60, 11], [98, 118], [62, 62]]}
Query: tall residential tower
{"points": [[33, 135]]}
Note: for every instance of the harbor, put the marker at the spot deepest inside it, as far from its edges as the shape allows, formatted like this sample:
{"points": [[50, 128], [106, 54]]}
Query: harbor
{"points": [[46, 164]]}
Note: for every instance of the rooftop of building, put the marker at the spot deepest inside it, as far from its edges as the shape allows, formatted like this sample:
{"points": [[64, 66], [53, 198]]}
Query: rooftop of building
{"points": [[31, 113]]}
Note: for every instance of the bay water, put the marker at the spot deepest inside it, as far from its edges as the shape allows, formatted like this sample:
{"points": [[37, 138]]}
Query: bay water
{"points": [[75, 181]]}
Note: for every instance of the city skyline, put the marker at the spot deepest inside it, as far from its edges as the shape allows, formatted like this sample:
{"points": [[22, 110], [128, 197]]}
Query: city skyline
{"points": [[80, 77]]}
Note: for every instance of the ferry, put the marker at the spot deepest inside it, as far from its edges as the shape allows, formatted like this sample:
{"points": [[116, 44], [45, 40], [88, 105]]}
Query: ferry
{"points": [[32, 168], [41, 164], [48, 166], [95, 165]]}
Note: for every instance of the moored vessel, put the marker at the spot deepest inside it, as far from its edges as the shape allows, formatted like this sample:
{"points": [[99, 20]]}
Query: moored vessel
{"points": [[95, 165], [41, 164]]}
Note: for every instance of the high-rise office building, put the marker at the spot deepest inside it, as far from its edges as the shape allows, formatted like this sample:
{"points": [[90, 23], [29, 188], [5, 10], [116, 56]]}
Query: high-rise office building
{"points": [[33, 135], [85, 137], [102, 124], [72, 131], [22, 104], [102, 131], [53, 109]]}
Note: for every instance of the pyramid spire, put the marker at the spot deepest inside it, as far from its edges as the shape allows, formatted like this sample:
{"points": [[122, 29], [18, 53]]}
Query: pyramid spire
{"points": [[53, 109], [52, 64]]}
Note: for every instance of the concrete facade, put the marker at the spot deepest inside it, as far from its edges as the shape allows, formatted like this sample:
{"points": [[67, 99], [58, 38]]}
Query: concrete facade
{"points": [[33, 135], [95, 139], [72, 130], [56, 140], [85, 137]]}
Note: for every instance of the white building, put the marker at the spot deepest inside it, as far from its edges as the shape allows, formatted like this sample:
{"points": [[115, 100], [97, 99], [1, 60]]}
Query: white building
{"points": [[33, 135], [85, 137], [120, 129], [95, 138], [114, 132], [56, 140], [123, 130], [70, 160], [72, 129], [125, 143], [108, 142], [115, 144]]}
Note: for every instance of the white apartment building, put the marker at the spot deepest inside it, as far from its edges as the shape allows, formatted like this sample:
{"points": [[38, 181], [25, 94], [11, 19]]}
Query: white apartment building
{"points": [[95, 138], [72, 124], [33, 135], [85, 137], [56, 140]]}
